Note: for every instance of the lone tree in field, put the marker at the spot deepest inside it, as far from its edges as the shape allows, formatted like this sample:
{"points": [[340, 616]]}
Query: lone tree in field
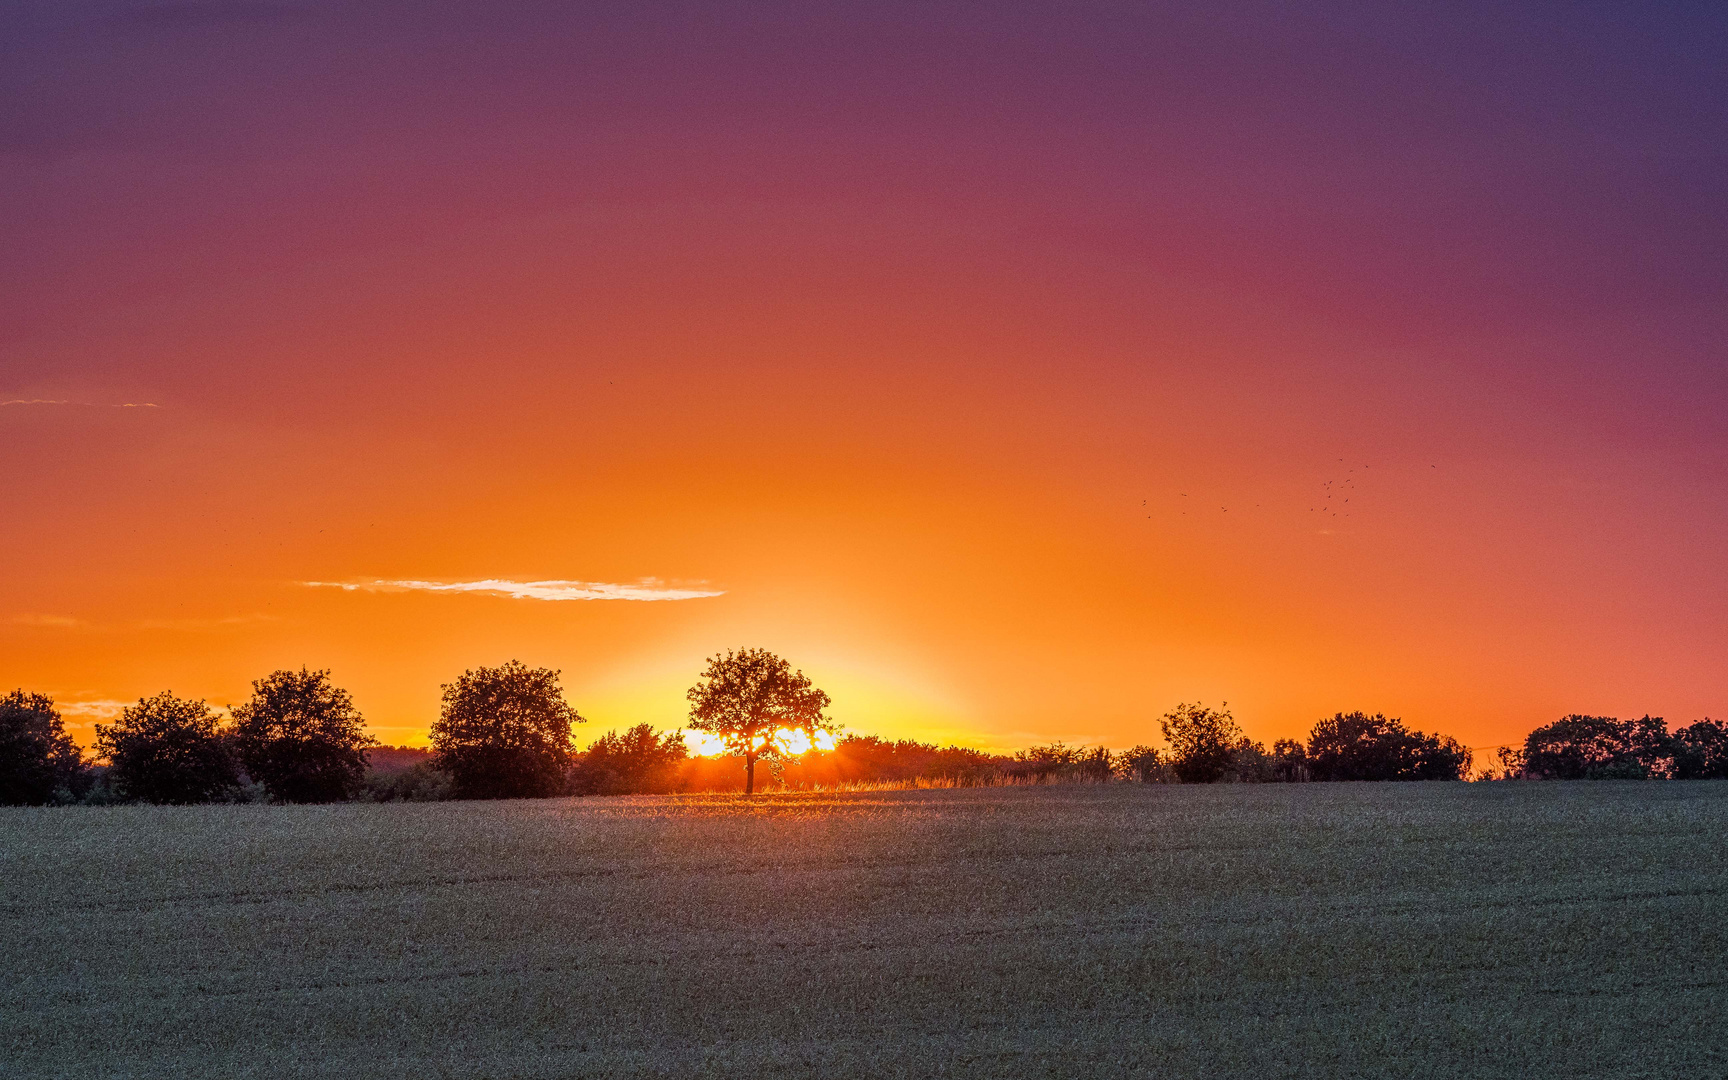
{"points": [[302, 738], [168, 750], [504, 733], [37, 757], [1204, 743], [749, 698]]}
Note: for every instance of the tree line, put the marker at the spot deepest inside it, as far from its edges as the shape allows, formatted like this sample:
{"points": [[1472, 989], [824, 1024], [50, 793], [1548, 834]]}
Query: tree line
{"points": [[507, 732]]}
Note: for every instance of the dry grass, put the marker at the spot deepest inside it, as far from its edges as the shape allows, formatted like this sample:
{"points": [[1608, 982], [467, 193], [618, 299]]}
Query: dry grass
{"points": [[1293, 930]]}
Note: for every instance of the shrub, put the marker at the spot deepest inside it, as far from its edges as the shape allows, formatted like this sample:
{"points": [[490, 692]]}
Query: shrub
{"points": [[421, 782], [38, 760], [169, 750], [1204, 743], [873, 759], [638, 762], [1144, 764]]}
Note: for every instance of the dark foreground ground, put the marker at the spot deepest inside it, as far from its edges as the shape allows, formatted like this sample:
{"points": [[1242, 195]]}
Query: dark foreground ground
{"points": [[1516, 930]]}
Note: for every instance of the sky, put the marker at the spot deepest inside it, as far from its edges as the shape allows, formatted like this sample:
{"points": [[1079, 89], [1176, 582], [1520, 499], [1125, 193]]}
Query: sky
{"points": [[1016, 370]]}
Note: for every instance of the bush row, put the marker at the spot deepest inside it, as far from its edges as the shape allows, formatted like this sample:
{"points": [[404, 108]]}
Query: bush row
{"points": [[505, 732]]}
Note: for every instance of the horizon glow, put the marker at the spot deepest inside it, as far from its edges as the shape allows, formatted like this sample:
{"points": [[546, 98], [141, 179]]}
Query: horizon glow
{"points": [[1017, 373]]}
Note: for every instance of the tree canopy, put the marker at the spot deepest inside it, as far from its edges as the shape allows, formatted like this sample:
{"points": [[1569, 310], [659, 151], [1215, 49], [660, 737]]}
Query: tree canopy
{"points": [[1356, 746], [1701, 751], [168, 750], [1579, 747], [1204, 743], [302, 738], [748, 697], [38, 759], [504, 733]]}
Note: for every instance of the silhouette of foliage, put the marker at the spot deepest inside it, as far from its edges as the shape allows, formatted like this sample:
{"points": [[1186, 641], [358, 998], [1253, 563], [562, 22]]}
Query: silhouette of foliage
{"points": [[1511, 759], [872, 759], [1253, 764], [747, 697], [1356, 746], [637, 762], [1578, 747], [1701, 751], [39, 762], [302, 738], [1143, 764], [169, 750], [1204, 743], [1289, 762], [420, 782], [1096, 766], [1060, 763], [504, 733]]}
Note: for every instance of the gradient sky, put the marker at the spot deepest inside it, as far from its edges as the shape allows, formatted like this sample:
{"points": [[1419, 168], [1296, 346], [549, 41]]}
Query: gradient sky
{"points": [[993, 362]]}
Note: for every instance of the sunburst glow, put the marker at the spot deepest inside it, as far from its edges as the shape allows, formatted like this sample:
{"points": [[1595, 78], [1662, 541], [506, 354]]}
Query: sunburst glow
{"points": [[705, 744]]}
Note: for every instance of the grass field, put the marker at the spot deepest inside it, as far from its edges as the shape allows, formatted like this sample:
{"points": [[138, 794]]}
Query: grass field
{"points": [[1534, 929]]}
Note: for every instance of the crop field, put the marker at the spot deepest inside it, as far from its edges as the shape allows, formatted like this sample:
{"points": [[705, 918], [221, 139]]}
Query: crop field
{"points": [[1482, 930]]}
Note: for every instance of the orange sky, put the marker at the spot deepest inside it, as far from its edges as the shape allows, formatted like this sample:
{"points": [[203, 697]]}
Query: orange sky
{"points": [[999, 386]]}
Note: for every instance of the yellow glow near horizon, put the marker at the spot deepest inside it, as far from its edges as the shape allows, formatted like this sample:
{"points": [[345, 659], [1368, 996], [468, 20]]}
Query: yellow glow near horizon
{"points": [[707, 744]]}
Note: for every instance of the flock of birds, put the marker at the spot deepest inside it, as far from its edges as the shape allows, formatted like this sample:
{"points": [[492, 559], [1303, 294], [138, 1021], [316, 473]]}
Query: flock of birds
{"points": [[1334, 495]]}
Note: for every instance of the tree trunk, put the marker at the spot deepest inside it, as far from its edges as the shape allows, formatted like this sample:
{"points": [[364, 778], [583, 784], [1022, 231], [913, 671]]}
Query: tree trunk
{"points": [[749, 774]]}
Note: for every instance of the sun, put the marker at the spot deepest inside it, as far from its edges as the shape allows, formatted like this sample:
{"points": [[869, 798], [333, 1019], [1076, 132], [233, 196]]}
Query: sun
{"points": [[707, 744]]}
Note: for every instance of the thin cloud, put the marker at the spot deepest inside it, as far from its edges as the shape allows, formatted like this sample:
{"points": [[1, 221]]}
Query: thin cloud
{"points": [[220, 623], [108, 709], [101, 709], [83, 404], [646, 589], [58, 622], [68, 622]]}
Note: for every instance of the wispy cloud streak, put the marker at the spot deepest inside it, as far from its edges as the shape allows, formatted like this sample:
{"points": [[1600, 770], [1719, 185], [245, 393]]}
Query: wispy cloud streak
{"points": [[55, 622], [91, 710], [83, 404], [646, 589], [68, 622]]}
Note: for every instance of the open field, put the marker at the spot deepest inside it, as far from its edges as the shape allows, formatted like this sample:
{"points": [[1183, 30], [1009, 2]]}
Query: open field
{"points": [[1535, 929]]}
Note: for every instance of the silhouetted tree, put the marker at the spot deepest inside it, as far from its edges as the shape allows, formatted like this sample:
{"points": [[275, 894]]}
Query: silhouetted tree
{"points": [[1142, 763], [504, 733], [1701, 751], [1652, 746], [168, 750], [1581, 747], [1356, 746], [38, 760], [637, 762], [747, 698], [302, 738], [1289, 762], [1511, 759], [1204, 743]]}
